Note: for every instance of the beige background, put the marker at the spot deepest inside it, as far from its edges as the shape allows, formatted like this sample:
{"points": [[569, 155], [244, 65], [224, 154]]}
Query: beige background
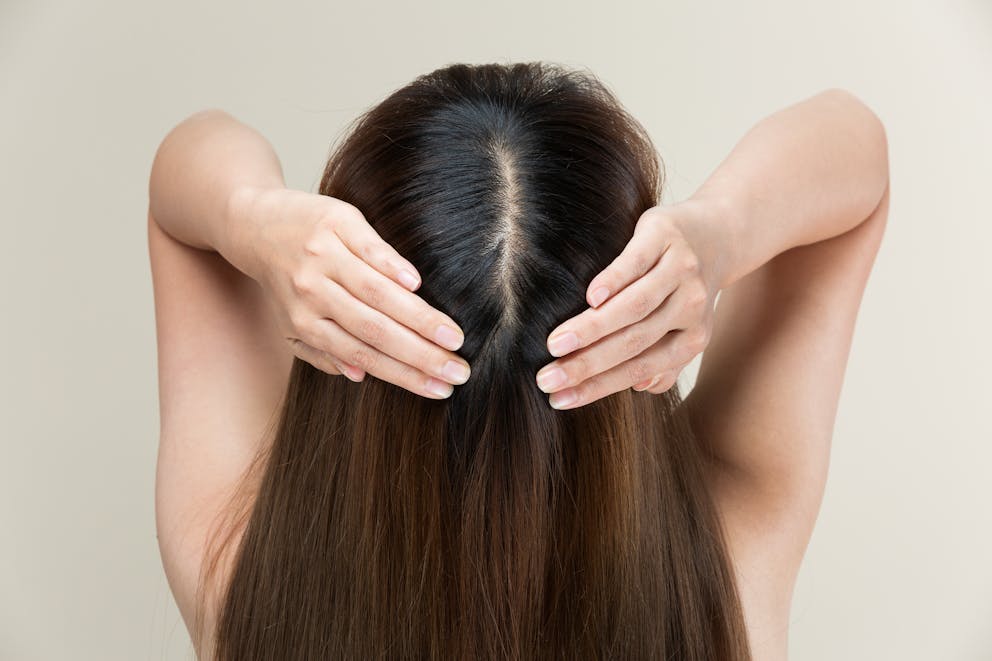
{"points": [[899, 566]]}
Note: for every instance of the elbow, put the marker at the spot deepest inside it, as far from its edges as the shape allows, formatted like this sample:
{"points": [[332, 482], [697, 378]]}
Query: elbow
{"points": [[869, 125], [869, 130], [206, 114], [191, 124], [175, 145]]}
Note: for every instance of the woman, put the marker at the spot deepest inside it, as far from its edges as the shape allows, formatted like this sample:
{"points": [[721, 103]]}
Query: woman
{"points": [[449, 508]]}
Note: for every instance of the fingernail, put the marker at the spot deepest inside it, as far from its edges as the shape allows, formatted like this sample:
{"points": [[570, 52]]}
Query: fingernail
{"points": [[408, 279], [455, 372], [562, 399], [599, 296], [548, 380], [439, 388], [350, 372], [562, 344], [448, 337], [650, 383]]}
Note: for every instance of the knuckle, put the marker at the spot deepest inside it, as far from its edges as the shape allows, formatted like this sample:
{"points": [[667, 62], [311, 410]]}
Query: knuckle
{"points": [[371, 331], [314, 246], [373, 253], [323, 361], [591, 326], [303, 283], [585, 391], [363, 358], [350, 212], [578, 368], [328, 222], [405, 376], [298, 322], [690, 263], [428, 360], [640, 305], [634, 342], [652, 216], [643, 261], [344, 214], [372, 293], [659, 223], [638, 370]]}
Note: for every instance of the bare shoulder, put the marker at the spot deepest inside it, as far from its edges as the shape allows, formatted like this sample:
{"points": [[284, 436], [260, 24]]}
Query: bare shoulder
{"points": [[765, 401], [222, 372]]}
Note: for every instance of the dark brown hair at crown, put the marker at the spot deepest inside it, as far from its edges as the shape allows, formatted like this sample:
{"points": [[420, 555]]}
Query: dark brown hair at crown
{"points": [[384, 525]]}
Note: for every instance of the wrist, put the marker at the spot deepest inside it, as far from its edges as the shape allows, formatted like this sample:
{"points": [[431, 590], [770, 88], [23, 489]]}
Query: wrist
{"points": [[242, 229], [710, 223]]}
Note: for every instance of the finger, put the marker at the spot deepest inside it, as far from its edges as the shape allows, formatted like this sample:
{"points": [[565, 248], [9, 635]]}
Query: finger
{"points": [[384, 334], [629, 306], [324, 361], [641, 253], [655, 385], [381, 293], [644, 385], [326, 332], [613, 350], [667, 380], [666, 353], [362, 240]]}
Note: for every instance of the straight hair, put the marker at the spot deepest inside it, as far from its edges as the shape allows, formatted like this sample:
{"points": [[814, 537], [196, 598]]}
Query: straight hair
{"points": [[380, 524]]}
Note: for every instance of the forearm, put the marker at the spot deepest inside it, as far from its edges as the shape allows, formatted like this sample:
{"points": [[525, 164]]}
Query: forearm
{"points": [[803, 174], [198, 168]]}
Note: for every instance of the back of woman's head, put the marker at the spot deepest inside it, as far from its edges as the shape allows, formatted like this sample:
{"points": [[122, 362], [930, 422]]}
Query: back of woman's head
{"points": [[487, 525]]}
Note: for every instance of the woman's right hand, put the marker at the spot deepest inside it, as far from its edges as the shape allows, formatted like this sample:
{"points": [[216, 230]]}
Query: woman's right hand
{"points": [[344, 296]]}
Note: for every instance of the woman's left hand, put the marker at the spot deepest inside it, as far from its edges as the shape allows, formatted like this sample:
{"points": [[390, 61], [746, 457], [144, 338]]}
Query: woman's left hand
{"points": [[651, 312]]}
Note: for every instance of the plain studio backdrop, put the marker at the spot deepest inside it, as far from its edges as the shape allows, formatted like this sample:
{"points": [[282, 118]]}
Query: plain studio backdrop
{"points": [[899, 565]]}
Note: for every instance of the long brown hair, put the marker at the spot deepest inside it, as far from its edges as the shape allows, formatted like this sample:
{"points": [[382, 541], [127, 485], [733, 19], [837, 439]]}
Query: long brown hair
{"points": [[386, 525]]}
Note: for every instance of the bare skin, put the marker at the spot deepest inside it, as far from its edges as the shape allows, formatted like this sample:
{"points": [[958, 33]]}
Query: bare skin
{"points": [[786, 230]]}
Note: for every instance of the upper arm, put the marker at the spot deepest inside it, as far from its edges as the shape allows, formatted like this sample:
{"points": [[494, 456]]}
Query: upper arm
{"points": [[222, 372], [767, 391]]}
